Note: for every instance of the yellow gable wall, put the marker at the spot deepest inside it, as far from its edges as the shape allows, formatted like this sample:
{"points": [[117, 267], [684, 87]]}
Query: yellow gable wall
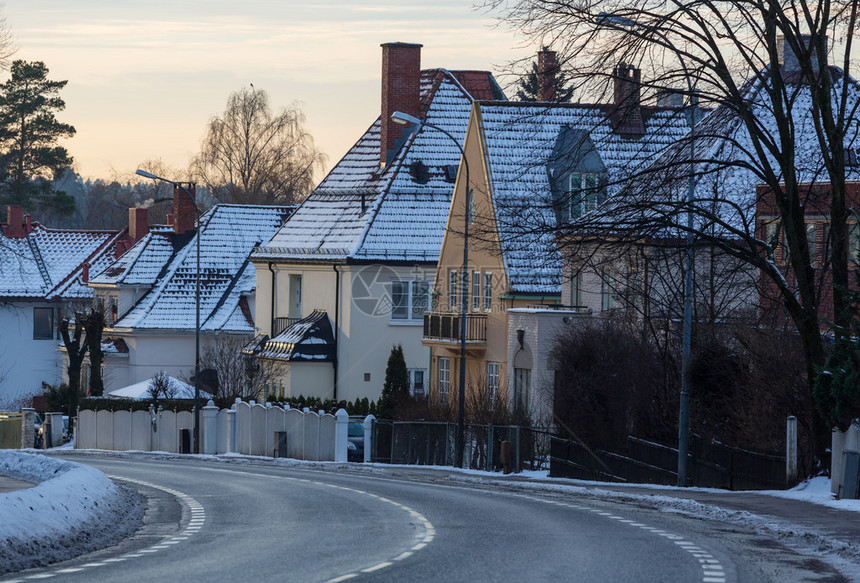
{"points": [[484, 255]]}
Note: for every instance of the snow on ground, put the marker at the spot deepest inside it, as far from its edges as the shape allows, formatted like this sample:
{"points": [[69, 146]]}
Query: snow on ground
{"points": [[72, 510]]}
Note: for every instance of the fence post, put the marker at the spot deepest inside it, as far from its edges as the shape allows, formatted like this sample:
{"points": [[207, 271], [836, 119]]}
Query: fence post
{"points": [[231, 430], [340, 435], [28, 430], [488, 465], [368, 437], [517, 467], [790, 451], [210, 427], [153, 427]]}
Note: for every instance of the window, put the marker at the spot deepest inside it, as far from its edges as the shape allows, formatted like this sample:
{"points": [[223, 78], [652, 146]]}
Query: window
{"points": [[771, 236], [492, 383], [582, 193], [488, 291], [43, 323], [476, 291], [114, 308], [810, 241], [295, 296], [416, 382], [522, 387], [853, 243], [473, 208], [633, 288], [444, 380], [607, 292], [576, 289], [452, 290], [409, 299]]}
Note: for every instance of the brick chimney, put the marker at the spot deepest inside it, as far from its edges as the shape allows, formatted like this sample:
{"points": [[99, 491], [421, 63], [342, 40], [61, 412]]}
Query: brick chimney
{"points": [[547, 69], [28, 223], [138, 223], [401, 91], [788, 58], [627, 113], [183, 208], [14, 222], [169, 219], [85, 273]]}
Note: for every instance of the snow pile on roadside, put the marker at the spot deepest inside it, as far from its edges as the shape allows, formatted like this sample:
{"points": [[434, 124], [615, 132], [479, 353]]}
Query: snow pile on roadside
{"points": [[73, 509]]}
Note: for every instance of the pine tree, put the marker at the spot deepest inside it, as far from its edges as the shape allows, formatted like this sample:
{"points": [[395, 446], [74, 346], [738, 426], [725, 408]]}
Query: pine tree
{"points": [[396, 388], [527, 86], [30, 159]]}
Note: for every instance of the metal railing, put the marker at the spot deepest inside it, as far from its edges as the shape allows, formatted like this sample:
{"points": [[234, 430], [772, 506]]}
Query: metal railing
{"points": [[446, 326], [281, 324]]}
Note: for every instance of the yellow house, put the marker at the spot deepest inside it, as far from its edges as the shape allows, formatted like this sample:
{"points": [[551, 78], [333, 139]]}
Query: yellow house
{"points": [[530, 167], [349, 275]]}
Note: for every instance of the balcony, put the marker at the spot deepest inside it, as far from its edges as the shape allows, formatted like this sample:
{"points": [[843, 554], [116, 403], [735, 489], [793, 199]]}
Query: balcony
{"points": [[281, 324], [445, 328]]}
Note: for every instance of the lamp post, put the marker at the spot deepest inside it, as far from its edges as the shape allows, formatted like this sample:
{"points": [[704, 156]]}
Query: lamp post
{"points": [[406, 119], [693, 113], [179, 185]]}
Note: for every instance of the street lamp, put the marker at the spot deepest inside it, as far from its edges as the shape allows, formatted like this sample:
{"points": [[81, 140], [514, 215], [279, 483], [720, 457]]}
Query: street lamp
{"points": [[694, 114], [406, 119], [179, 185]]}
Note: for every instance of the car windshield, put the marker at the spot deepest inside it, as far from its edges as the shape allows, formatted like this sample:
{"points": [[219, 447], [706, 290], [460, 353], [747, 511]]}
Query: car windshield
{"points": [[356, 429]]}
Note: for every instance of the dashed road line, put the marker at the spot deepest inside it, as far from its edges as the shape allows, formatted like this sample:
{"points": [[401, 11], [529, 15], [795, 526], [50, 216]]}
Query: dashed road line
{"points": [[712, 570], [198, 518]]}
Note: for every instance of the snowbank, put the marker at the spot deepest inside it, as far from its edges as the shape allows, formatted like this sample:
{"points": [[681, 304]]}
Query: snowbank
{"points": [[73, 509]]}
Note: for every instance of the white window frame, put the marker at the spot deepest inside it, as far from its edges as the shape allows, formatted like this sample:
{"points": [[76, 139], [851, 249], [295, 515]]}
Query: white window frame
{"points": [[488, 291], [414, 309], [492, 384], [576, 288], [811, 242], [577, 183], [607, 289], [444, 379], [414, 390], [51, 326], [453, 280], [476, 290]]}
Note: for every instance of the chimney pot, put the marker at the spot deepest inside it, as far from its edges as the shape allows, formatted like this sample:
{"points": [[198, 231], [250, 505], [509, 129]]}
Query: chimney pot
{"points": [[627, 113], [28, 223], [170, 219], [401, 91], [14, 220], [547, 71], [85, 273], [138, 224]]}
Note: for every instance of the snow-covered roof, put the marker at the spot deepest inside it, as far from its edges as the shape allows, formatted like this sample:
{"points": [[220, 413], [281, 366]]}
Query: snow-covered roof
{"points": [[400, 214], [726, 183], [178, 390], [49, 263], [228, 235], [142, 264], [310, 339], [521, 141]]}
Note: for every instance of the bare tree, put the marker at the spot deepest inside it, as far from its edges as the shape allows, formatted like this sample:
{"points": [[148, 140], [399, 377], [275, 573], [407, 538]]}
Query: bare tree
{"points": [[250, 155], [782, 120], [160, 387], [76, 349], [7, 41], [239, 375]]}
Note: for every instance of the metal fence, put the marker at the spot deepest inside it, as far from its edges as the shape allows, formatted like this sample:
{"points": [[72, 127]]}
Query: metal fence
{"points": [[10, 430], [433, 443], [712, 464]]}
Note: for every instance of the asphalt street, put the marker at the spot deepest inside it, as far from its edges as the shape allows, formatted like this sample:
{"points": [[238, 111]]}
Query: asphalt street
{"points": [[210, 521]]}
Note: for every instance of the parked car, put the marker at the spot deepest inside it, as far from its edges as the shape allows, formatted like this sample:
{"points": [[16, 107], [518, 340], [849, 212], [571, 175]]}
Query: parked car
{"points": [[38, 419], [355, 440]]}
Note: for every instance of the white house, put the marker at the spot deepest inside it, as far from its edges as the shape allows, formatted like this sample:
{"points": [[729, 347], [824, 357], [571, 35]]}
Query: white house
{"points": [[352, 268], [150, 290], [43, 277]]}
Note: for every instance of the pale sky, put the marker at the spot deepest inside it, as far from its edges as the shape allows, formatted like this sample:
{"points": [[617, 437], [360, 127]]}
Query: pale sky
{"points": [[144, 77]]}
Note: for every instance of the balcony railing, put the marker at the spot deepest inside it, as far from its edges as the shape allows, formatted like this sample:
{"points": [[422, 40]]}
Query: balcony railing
{"points": [[446, 327], [281, 324]]}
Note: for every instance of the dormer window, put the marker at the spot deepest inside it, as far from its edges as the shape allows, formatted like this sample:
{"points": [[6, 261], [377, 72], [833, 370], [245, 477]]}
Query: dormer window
{"points": [[582, 189]]}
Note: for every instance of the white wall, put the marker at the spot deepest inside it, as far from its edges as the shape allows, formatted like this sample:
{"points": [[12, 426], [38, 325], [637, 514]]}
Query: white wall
{"points": [[25, 362]]}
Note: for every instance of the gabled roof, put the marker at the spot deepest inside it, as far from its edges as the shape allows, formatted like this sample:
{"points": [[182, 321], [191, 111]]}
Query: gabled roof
{"points": [[309, 339], [398, 215], [49, 263], [522, 145], [141, 264], [228, 234]]}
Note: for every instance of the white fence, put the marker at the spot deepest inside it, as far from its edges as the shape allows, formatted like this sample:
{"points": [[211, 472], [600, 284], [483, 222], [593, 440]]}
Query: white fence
{"points": [[246, 428], [842, 441]]}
